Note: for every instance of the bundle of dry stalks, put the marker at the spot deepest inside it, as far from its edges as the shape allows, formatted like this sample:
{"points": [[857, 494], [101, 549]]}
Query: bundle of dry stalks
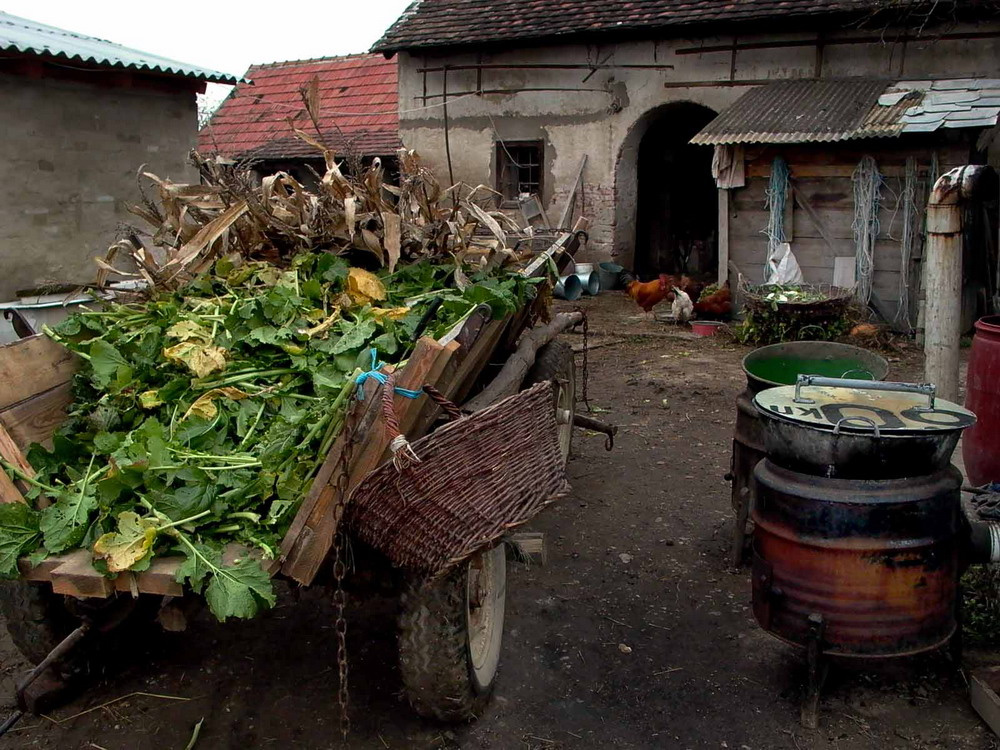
{"points": [[233, 211]]}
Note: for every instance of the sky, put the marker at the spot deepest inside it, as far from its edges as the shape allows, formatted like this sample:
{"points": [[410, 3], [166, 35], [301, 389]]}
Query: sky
{"points": [[224, 36]]}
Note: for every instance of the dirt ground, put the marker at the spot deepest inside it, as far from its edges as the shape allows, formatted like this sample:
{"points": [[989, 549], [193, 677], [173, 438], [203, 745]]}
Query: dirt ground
{"points": [[636, 558]]}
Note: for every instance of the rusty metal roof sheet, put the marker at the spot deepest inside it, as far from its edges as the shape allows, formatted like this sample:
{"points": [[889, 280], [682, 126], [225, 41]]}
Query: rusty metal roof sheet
{"points": [[823, 111], [29, 37]]}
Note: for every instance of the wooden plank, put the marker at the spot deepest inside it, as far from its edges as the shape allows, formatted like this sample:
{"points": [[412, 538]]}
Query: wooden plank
{"points": [[76, 577], [37, 419], [723, 236], [318, 502], [31, 366], [528, 546], [42, 571], [9, 493], [307, 551], [983, 689], [446, 368], [159, 578], [567, 213], [476, 360]]}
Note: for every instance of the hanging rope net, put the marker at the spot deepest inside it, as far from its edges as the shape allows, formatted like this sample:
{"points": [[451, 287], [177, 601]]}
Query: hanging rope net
{"points": [[867, 193], [906, 243], [777, 199]]}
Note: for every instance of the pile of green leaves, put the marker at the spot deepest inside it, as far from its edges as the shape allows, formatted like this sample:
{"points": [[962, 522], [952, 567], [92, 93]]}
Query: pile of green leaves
{"points": [[201, 416]]}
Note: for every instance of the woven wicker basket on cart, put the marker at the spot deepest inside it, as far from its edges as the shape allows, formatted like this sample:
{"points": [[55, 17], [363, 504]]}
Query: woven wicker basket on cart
{"points": [[476, 478]]}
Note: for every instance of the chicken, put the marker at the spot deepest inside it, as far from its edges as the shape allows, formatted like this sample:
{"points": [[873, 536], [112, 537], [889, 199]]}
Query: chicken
{"points": [[682, 308], [718, 303], [647, 294]]}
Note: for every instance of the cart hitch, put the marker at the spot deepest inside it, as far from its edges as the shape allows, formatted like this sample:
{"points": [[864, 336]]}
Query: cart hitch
{"points": [[589, 423], [49, 686]]}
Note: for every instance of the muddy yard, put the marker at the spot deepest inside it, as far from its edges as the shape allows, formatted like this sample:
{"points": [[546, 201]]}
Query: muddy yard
{"points": [[636, 634]]}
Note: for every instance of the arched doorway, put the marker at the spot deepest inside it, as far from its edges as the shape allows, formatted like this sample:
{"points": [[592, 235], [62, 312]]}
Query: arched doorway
{"points": [[666, 196]]}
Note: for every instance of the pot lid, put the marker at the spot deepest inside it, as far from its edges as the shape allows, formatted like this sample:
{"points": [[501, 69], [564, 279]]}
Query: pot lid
{"points": [[863, 406]]}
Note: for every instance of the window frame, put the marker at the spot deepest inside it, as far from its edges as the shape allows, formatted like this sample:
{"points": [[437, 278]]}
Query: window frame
{"points": [[503, 159]]}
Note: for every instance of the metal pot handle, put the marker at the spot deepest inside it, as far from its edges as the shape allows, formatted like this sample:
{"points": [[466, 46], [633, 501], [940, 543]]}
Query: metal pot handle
{"points": [[836, 427], [927, 389], [859, 369]]}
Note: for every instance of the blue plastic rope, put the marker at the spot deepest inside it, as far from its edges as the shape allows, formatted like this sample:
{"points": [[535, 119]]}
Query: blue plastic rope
{"points": [[382, 378]]}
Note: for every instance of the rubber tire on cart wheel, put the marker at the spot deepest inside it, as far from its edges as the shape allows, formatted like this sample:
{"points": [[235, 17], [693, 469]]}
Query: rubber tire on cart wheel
{"points": [[450, 637], [555, 362], [36, 618]]}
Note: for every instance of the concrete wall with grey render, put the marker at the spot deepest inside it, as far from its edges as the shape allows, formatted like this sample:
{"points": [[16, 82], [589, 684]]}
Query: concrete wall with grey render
{"points": [[604, 113], [68, 161]]}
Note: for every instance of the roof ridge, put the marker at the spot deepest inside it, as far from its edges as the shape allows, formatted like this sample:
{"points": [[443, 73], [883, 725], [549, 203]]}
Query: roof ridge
{"points": [[330, 58]]}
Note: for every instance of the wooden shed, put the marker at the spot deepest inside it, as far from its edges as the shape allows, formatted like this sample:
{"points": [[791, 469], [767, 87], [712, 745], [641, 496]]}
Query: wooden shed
{"points": [[860, 156]]}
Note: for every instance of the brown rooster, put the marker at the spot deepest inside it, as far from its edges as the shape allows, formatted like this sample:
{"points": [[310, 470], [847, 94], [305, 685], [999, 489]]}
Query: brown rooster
{"points": [[648, 294], [716, 304]]}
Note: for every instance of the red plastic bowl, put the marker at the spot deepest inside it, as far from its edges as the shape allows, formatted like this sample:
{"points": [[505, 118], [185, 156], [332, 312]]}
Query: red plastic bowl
{"points": [[705, 327]]}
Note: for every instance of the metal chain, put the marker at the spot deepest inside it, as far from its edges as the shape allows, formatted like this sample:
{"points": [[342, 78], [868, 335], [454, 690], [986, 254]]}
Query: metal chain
{"points": [[586, 373], [342, 471]]}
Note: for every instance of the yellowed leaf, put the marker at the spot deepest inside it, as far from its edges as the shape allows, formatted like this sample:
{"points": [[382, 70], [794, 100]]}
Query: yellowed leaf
{"points": [[150, 399], [201, 359], [204, 406], [128, 545], [364, 287], [393, 313]]}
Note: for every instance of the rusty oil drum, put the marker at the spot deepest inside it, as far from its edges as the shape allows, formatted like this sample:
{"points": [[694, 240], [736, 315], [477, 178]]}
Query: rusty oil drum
{"points": [[876, 559], [775, 365]]}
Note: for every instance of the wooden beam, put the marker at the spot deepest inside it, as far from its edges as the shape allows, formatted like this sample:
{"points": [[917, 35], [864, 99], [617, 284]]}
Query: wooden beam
{"points": [[37, 419], [76, 577], [723, 236], [567, 213], [32, 366], [11, 453]]}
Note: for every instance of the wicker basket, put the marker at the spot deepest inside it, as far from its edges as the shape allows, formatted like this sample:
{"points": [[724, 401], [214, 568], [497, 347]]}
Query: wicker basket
{"points": [[476, 479], [801, 319]]}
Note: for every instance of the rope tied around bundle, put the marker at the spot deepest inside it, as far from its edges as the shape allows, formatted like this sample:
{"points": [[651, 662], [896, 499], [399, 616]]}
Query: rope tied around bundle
{"points": [[867, 183], [380, 377], [777, 200], [403, 455]]}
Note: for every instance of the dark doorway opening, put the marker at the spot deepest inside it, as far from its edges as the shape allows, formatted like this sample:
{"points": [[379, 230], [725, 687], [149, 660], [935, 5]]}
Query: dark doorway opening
{"points": [[678, 211]]}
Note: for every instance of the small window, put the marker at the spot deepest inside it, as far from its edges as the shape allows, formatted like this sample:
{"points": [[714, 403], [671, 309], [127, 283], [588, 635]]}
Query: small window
{"points": [[519, 168]]}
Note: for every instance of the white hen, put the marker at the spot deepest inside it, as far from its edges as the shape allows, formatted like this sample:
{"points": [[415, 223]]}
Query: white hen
{"points": [[682, 308]]}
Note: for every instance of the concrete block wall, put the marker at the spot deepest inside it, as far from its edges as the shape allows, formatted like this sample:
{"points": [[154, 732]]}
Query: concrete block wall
{"points": [[68, 164]]}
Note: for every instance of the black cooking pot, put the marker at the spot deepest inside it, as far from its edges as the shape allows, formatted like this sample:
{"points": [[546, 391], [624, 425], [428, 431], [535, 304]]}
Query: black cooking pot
{"points": [[853, 429]]}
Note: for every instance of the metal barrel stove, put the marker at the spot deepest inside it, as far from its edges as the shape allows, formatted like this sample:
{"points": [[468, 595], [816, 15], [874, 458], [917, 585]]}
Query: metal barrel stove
{"points": [[768, 367], [859, 536]]}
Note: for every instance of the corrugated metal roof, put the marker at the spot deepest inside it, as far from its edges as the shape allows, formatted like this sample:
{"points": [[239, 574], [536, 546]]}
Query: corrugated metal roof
{"points": [[359, 109], [822, 111], [29, 37]]}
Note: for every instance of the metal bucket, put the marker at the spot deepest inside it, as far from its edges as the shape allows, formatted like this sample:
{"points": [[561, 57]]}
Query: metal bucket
{"points": [[875, 561], [568, 287], [608, 273], [769, 366]]}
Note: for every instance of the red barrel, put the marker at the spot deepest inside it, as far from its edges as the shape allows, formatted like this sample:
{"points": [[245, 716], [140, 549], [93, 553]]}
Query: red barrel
{"points": [[981, 444]]}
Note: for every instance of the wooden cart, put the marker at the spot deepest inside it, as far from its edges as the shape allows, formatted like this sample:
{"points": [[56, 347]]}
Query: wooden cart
{"points": [[448, 672]]}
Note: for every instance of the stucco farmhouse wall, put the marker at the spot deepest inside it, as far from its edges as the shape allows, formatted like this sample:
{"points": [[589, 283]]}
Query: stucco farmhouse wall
{"points": [[604, 111]]}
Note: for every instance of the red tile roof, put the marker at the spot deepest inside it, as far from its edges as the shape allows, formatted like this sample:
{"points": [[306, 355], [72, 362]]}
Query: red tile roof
{"points": [[358, 109], [445, 23]]}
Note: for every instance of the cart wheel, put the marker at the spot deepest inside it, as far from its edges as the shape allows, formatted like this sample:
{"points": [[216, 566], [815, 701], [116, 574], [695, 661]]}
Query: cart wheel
{"points": [[555, 362], [37, 619], [451, 631]]}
